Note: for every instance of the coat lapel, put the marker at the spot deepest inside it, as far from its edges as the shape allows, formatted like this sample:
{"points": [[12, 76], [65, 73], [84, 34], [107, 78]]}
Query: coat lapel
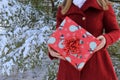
{"points": [[91, 3]]}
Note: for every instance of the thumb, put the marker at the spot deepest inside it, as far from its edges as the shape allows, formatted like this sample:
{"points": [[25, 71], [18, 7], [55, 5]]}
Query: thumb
{"points": [[100, 37]]}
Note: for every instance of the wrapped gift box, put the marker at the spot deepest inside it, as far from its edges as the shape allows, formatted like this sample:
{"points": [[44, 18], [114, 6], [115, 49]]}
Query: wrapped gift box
{"points": [[73, 42]]}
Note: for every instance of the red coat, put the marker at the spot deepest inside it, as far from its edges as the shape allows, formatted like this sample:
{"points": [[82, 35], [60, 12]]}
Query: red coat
{"points": [[94, 19]]}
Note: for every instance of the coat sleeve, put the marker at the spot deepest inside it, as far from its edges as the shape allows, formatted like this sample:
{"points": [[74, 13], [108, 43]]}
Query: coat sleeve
{"points": [[112, 31], [58, 17], [58, 22]]}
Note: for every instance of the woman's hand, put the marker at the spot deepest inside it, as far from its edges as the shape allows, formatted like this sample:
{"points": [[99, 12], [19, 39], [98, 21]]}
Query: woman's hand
{"points": [[102, 44], [55, 54]]}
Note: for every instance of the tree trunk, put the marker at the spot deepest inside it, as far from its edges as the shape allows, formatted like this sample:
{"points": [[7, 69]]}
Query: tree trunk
{"points": [[53, 6]]}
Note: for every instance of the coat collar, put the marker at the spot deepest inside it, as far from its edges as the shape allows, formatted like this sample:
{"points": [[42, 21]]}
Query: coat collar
{"points": [[91, 3], [88, 4]]}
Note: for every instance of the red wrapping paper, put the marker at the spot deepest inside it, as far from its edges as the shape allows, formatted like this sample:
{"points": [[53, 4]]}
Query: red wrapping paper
{"points": [[73, 42]]}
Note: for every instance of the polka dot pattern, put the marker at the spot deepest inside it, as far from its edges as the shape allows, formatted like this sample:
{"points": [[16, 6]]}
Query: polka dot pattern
{"points": [[79, 39], [51, 40]]}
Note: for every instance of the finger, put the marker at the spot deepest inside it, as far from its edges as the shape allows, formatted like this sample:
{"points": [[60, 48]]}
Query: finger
{"points": [[100, 37], [49, 48], [99, 47], [60, 57], [55, 53]]}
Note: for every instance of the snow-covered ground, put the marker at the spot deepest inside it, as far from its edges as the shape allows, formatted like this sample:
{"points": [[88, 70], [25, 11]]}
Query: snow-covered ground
{"points": [[38, 73]]}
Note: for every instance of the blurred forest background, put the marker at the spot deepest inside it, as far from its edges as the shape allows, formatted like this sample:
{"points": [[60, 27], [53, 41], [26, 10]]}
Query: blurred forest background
{"points": [[24, 28], [49, 7]]}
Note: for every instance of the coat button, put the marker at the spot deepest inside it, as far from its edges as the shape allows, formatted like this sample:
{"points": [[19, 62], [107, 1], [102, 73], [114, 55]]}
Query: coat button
{"points": [[83, 18]]}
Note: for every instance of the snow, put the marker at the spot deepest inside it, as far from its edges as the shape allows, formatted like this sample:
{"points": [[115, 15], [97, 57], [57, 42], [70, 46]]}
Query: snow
{"points": [[23, 35], [7, 66]]}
